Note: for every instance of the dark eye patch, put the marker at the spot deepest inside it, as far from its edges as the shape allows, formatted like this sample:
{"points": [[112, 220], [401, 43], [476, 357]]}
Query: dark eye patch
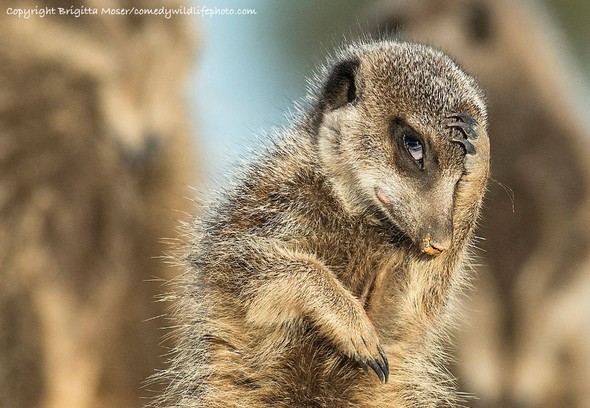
{"points": [[409, 142]]}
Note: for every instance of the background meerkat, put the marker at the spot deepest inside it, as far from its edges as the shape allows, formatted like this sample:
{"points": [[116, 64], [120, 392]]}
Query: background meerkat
{"points": [[341, 246], [528, 336], [94, 157]]}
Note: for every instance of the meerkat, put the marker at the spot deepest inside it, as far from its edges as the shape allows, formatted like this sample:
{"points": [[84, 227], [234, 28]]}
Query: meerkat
{"points": [[95, 157], [526, 341], [326, 275]]}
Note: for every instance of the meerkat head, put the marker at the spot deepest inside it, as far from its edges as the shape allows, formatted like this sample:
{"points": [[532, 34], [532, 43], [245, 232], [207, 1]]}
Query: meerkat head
{"points": [[383, 141]]}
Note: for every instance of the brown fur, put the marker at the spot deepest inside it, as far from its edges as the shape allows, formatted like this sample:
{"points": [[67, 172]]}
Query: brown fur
{"points": [[528, 343], [93, 161], [314, 259]]}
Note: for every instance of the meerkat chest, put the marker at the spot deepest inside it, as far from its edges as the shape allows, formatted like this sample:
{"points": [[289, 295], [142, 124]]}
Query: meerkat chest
{"points": [[360, 261]]}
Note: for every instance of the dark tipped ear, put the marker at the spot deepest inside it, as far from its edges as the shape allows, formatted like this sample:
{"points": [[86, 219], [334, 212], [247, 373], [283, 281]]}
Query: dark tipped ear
{"points": [[340, 89]]}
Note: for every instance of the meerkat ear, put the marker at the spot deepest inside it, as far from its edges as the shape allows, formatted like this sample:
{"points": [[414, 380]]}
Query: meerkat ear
{"points": [[340, 89]]}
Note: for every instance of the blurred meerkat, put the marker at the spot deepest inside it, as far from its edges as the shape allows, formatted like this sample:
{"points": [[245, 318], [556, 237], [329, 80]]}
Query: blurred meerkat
{"points": [[528, 341], [341, 248], [94, 159]]}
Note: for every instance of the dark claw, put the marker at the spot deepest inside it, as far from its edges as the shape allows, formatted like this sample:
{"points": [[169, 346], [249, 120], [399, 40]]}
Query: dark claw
{"points": [[385, 361], [465, 123], [380, 366], [466, 128], [362, 364], [377, 368], [469, 148], [465, 117]]}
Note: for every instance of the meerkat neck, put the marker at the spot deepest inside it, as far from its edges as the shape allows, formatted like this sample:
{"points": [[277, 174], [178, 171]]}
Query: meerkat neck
{"points": [[337, 169]]}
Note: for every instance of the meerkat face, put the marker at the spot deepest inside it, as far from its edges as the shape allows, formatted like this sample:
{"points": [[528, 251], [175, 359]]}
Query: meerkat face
{"points": [[384, 141]]}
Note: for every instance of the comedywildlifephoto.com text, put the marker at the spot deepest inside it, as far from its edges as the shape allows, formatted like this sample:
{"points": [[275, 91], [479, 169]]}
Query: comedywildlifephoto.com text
{"points": [[167, 13]]}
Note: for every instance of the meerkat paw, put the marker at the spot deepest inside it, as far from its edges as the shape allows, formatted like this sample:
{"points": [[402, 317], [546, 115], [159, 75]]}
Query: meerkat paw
{"points": [[361, 343], [467, 125], [380, 365]]}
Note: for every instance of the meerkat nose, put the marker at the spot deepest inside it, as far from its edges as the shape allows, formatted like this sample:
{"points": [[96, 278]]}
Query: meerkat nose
{"points": [[435, 247]]}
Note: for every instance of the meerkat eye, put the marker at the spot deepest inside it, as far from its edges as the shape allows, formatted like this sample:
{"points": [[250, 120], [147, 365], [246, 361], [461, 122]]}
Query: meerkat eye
{"points": [[415, 149]]}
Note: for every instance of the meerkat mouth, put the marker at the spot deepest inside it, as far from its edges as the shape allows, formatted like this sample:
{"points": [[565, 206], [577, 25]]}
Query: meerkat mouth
{"points": [[430, 248], [394, 230]]}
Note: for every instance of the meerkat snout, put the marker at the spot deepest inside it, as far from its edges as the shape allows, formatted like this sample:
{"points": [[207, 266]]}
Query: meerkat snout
{"points": [[435, 245], [436, 236]]}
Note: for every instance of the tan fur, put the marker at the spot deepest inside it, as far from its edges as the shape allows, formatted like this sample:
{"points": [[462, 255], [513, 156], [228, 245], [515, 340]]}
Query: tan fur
{"points": [[313, 260], [93, 162], [528, 338]]}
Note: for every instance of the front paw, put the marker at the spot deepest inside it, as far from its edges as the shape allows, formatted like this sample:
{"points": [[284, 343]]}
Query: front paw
{"points": [[379, 364], [361, 343], [468, 130]]}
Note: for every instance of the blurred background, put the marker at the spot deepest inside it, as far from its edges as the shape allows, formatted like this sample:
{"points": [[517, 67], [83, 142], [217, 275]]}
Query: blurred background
{"points": [[106, 120]]}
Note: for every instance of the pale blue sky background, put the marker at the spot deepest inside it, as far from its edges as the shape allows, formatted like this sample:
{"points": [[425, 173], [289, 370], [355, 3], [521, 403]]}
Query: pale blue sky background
{"points": [[240, 82], [246, 80]]}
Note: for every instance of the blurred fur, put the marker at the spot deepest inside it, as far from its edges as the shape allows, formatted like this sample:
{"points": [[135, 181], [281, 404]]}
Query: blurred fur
{"points": [[94, 159]]}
